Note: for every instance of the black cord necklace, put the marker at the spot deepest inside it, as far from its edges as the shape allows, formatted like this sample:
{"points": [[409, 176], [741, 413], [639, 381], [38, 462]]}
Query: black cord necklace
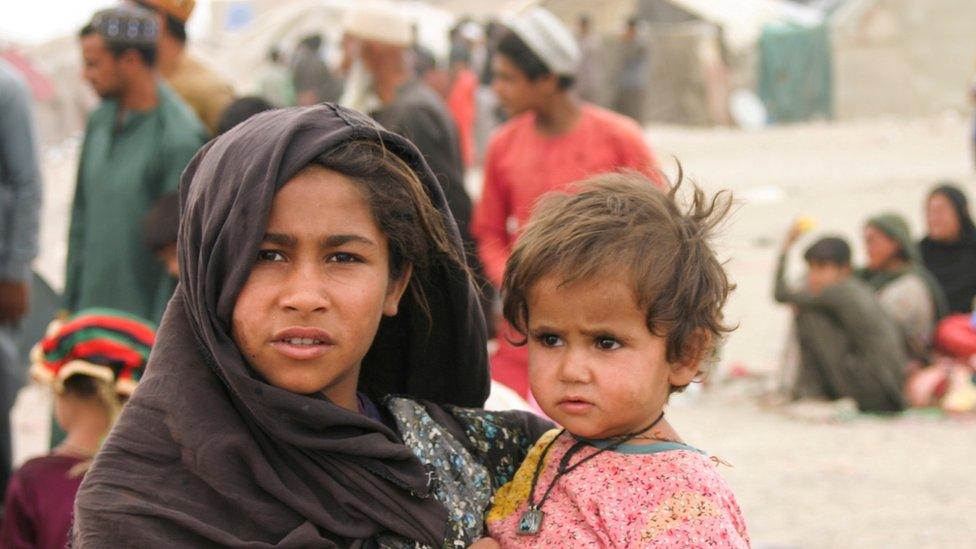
{"points": [[531, 520]]}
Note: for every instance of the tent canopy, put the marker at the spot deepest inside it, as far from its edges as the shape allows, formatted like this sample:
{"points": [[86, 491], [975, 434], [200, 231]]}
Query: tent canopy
{"points": [[742, 21]]}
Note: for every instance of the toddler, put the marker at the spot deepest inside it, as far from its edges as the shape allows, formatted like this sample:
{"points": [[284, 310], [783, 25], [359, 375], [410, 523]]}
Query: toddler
{"points": [[619, 298]]}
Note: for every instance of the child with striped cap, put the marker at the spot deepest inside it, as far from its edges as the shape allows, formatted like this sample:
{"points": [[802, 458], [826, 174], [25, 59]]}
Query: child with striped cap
{"points": [[92, 361]]}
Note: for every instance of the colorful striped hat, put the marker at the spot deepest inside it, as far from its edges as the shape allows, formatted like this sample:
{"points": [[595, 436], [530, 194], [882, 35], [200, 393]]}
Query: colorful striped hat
{"points": [[102, 343]]}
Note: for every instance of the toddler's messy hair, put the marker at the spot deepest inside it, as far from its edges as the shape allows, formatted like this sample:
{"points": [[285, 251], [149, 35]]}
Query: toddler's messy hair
{"points": [[620, 225]]}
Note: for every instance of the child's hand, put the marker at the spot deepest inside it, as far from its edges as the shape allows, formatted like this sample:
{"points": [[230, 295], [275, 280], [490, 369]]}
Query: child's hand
{"points": [[485, 543]]}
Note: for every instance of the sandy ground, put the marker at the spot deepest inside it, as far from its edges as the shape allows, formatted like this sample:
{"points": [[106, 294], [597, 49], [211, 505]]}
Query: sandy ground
{"points": [[860, 482]]}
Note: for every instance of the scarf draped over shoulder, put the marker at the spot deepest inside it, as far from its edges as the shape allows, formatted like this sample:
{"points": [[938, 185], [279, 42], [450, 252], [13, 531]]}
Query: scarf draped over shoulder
{"points": [[207, 453]]}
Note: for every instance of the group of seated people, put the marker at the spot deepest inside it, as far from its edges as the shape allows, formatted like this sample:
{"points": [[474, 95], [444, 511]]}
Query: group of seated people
{"points": [[898, 332]]}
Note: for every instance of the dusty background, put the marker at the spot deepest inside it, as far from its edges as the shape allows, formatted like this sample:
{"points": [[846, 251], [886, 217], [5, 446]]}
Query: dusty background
{"points": [[855, 482]]}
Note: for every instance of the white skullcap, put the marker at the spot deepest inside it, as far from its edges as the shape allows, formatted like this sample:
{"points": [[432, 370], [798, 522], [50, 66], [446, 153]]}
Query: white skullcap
{"points": [[548, 38], [472, 31], [379, 21]]}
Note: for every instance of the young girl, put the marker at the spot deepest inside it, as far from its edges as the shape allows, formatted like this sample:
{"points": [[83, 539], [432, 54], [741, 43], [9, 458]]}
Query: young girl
{"points": [[92, 361], [619, 297], [304, 385]]}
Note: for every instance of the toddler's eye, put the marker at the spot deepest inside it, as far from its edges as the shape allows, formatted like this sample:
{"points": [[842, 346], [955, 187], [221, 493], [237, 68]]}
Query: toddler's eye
{"points": [[270, 255], [550, 340], [607, 343]]}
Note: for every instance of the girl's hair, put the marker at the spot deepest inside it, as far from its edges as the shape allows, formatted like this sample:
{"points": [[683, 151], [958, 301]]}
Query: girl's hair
{"points": [[414, 227], [92, 389], [619, 224]]}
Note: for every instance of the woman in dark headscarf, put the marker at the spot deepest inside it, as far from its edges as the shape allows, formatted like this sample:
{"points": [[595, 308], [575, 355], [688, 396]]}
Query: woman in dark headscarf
{"points": [[906, 290], [949, 249], [321, 274]]}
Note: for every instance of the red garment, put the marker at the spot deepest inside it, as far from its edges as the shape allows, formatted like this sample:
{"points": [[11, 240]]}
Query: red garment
{"points": [[521, 165], [39, 504], [461, 103]]}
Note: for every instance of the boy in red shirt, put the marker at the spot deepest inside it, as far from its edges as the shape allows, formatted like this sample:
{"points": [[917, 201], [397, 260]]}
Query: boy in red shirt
{"points": [[552, 140]]}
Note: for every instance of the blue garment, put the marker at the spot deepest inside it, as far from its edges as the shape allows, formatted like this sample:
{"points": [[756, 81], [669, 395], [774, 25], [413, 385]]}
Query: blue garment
{"points": [[20, 204], [20, 177]]}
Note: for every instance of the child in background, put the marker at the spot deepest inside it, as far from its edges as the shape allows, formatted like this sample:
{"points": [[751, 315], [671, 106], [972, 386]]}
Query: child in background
{"points": [[849, 346], [91, 361], [619, 298], [160, 230]]}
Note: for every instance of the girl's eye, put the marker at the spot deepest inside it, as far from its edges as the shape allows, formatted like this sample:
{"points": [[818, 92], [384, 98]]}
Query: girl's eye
{"points": [[607, 343], [550, 340], [342, 257], [270, 255]]}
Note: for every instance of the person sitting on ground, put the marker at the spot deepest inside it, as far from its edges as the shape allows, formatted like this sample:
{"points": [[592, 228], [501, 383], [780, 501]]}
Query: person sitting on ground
{"points": [[92, 361], [906, 290], [618, 298], [949, 249], [240, 110], [160, 231], [849, 346]]}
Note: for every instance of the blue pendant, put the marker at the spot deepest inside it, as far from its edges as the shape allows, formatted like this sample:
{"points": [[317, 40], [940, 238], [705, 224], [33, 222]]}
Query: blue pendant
{"points": [[530, 521]]}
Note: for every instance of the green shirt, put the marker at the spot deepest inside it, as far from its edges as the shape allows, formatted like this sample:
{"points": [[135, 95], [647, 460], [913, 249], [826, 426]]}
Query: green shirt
{"points": [[126, 164]]}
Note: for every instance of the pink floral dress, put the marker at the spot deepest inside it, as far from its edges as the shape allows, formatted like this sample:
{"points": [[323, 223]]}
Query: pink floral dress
{"points": [[653, 495]]}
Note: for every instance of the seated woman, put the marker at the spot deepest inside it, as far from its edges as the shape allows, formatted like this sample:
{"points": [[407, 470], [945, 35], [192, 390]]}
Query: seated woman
{"points": [[306, 385], [949, 249], [905, 289]]}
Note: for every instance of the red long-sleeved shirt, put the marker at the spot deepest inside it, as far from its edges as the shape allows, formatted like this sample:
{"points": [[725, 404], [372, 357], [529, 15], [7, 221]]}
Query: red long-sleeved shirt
{"points": [[522, 164]]}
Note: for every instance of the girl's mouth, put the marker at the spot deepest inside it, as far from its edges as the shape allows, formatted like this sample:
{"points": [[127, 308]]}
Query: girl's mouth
{"points": [[574, 405], [302, 343]]}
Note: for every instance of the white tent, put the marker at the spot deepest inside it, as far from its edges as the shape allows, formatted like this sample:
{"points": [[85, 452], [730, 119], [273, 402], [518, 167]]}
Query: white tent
{"points": [[742, 20], [902, 56], [284, 23]]}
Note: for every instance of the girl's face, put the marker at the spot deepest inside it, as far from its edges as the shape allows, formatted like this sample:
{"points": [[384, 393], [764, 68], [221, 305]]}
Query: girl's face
{"points": [[312, 304], [594, 367], [881, 248], [943, 222]]}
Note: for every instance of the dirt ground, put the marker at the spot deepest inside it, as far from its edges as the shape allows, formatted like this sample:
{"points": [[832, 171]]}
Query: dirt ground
{"points": [[860, 482], [865, 482]]}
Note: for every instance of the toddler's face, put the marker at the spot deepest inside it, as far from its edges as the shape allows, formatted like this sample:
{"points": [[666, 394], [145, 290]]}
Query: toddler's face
{"points": [[594, 367], [312, 304]]}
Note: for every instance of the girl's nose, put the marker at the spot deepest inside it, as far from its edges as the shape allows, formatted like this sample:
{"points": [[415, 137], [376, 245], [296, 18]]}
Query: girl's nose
{"points": [[573, 367], [306, 291]]}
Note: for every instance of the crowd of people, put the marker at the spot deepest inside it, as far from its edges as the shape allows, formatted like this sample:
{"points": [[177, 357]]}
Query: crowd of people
{"points": [[317, 290], [899, 331], [328, 384]]}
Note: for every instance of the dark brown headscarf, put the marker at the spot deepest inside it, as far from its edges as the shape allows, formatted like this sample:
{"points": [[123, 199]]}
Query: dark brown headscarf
{"points": [[207, 452]]}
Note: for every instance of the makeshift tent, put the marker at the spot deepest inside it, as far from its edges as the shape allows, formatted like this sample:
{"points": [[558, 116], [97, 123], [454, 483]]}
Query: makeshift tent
{"points": [[244, 45], [795, 81], [905, 57]]}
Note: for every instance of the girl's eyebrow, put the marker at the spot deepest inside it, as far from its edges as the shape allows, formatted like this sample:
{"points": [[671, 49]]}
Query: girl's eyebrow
{"points": [[284, 240], [337, 240], [333, 241]]}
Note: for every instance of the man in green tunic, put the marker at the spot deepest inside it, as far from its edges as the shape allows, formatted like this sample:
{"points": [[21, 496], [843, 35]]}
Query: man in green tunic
{"points": [[137, 143], [849, 347]]}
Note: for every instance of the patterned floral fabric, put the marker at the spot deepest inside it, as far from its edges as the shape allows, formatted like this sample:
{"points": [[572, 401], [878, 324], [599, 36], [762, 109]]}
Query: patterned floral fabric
{"points": [[660, 495], [464, 473]]}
